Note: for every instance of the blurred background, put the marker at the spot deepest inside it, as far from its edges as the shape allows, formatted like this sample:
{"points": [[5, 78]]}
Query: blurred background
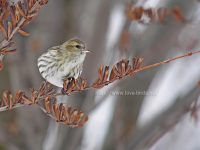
{"points": [[144, 112]]}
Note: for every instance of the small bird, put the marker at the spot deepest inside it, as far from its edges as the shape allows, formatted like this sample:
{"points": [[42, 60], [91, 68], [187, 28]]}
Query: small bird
{"points": [[63, 62]]}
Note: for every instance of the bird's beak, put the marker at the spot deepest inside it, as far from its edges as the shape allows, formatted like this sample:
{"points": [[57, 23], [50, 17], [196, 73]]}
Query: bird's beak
{"points": [[87, 51]]}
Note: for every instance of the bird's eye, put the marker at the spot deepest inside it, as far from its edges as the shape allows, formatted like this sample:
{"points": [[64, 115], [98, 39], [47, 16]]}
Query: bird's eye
{"points": [[78, 46]]}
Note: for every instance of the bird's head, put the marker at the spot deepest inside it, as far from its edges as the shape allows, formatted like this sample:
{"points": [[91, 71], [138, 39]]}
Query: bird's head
{"points": [[75, 46]]}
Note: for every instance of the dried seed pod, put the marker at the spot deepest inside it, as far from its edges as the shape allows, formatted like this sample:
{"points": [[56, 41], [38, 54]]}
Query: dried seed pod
{"points": [[103, 77], [105, 74], [74, 117], [31, 3], [47, 105], [23, 33], [3, 30], [176, 11], [81, 84], [9, 29], [20, 9], [26, 101], [43, 2], [56, 112], [18, 97], [154, 15], [69, 85], [17, 16], [113, 76]]}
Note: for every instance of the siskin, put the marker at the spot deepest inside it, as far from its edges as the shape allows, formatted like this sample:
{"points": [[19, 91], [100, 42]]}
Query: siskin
{"points": [[63, 62]]}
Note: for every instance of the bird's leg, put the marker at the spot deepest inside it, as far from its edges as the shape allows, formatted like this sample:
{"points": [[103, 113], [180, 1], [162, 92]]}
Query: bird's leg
{"points": [[63, 91], [68, 83]]}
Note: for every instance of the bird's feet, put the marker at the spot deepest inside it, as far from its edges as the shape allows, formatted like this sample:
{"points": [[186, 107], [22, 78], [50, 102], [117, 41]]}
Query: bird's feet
{"points": [[68, 83], [63, 91]]}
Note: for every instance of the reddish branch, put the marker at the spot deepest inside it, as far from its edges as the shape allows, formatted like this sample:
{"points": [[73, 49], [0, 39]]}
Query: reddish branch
{"points": [[60, 112], [122, 69], [13, 18], [65, 114]]}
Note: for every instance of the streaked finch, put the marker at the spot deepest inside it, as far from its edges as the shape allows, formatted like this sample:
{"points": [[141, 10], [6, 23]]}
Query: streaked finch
{"points": [[63, 62]]}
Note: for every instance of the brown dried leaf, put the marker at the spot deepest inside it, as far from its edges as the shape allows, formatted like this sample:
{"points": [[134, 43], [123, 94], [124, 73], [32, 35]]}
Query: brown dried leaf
{"points": [[6, 51], [83, 119], [43, 2], [12, 13], [69, 85], [6, 13], [106, 74], [127, 67], [17, 15], [56, 111], [137, 63], [26, 101], [9, 28], [134, 13], [47, 105], [157, 15], [3, 30], [75, 118], [23, 33], [5, 98], [42, 88], [100, 74], [31, 3], [65, 84], [103, 74], [112, 75], [123, 67], [67, 117], [62, 112], [34, 97], [18, 97], [115, 71], [10, 101], [81, 84], [178, 14], [161, 14], [119, 68], [20, 9], [31, 15], [149, 12]]}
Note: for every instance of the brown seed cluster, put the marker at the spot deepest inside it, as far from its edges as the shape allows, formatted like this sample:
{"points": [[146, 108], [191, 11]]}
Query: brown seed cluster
{"points": [[71, 85], [105, 76], [159, 15], [60, 112], [118, 71], [13, 18], [9, 101], [64, 114]]}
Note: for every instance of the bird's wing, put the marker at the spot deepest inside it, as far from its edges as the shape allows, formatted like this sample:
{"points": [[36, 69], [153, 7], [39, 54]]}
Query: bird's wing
{"points": [[54, 48]]}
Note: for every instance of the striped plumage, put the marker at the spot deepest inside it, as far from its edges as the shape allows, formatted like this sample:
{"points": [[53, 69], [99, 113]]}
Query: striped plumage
{"points": [[62, 62]]}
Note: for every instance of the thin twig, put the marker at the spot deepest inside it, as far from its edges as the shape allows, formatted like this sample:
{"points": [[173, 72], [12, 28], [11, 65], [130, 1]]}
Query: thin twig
{"points": [[166, 61]]}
